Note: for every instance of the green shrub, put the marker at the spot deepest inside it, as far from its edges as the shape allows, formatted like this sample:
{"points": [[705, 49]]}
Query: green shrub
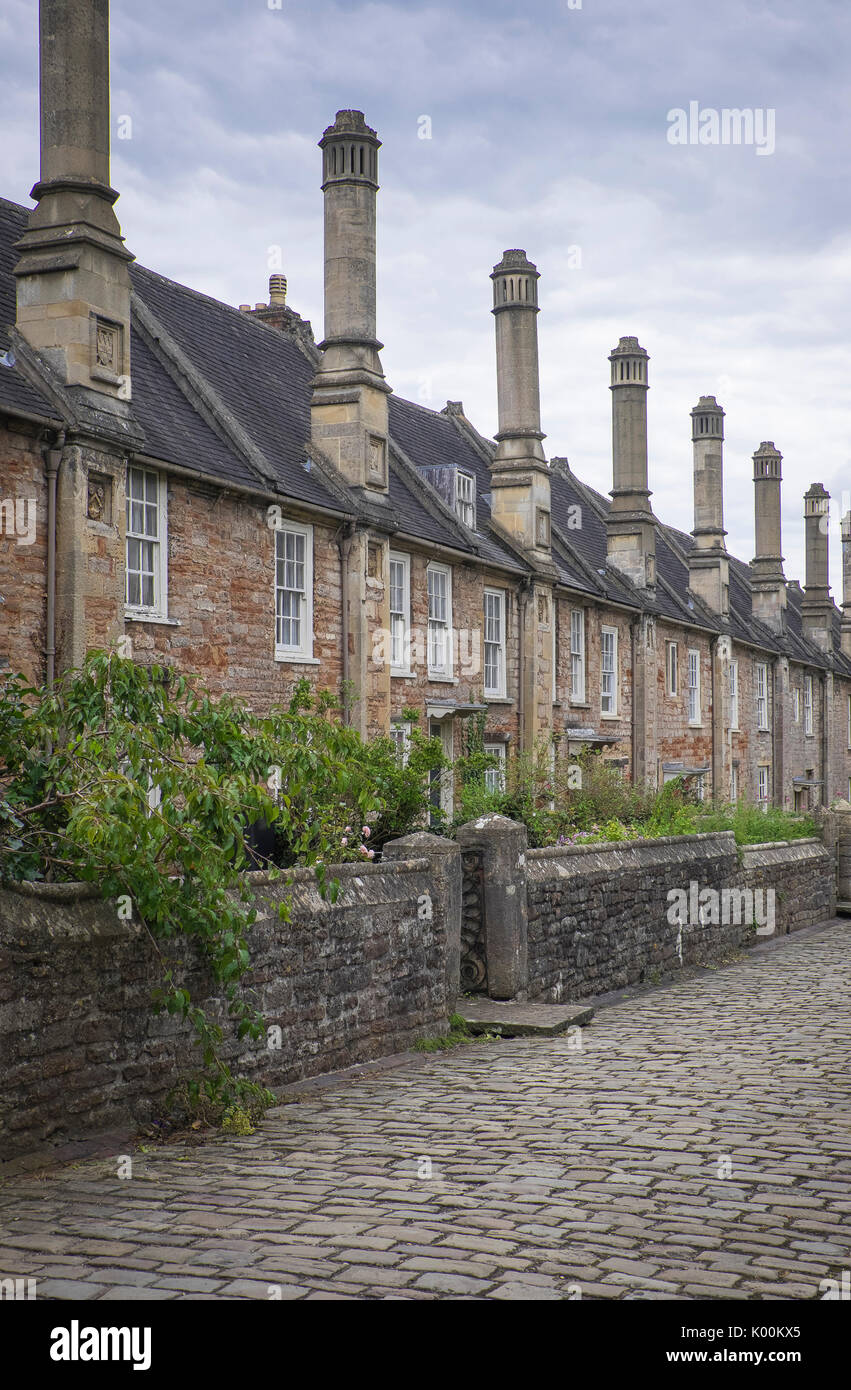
{"points": [[136, 780]]}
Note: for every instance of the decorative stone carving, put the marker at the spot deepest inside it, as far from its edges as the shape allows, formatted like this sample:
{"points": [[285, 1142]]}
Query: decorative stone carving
{"points": [[474, 971], [376, 460], [99, 498]]}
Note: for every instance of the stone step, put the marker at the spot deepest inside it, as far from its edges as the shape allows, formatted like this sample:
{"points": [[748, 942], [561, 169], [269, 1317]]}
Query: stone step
{"points": [[515, 1020], [843, 909]]}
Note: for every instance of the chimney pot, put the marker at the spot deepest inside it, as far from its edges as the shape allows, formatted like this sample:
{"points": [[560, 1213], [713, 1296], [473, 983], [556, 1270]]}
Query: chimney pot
{"points": [[277, 289]]}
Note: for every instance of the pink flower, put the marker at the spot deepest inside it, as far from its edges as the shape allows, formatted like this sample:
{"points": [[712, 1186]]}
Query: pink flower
{"points": [[344, 841], [365, 831], [370, 853]]}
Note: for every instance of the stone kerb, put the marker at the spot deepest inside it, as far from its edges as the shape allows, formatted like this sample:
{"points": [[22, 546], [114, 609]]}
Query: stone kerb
{"points": [[500, 846]]}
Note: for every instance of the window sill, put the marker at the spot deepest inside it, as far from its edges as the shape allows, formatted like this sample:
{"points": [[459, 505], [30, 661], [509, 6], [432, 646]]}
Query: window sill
{"points": [[580, 704], [441, 680], [610, 716], [296, 659], [402, 675], [698, 724], [498, 699], [137, 615]]}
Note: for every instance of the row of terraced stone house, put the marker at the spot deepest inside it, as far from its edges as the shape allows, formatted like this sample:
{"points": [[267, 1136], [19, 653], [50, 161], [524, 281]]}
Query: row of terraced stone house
{"points": [[246, 504]]}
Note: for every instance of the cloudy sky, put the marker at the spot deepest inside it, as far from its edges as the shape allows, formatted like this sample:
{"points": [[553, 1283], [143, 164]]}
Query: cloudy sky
{"points": [[549, 130]]}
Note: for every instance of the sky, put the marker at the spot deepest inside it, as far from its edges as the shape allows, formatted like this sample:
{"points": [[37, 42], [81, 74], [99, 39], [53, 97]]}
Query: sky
{"points": [[548, 127]]}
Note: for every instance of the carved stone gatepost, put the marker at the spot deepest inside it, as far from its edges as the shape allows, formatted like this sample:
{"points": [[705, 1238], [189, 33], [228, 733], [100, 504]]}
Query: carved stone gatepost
{"points": [[835, 823], [500, 847], [445, 859]]}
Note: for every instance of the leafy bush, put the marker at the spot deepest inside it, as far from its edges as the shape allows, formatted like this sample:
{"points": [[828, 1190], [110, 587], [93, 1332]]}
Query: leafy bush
{"points": [[136, 780], [586, 800]]}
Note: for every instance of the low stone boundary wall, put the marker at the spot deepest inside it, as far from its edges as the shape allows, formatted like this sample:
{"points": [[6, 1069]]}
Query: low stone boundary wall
{"points": [[801, 873], [601, 917], [365, 976], [343, 982]]}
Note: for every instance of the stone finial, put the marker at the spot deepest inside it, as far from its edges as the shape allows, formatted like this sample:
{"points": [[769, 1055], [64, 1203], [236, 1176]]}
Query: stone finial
{"points": [[515, 259], [349, 123], [628, 346], [816, 500], [707, 419], [767, 461]]}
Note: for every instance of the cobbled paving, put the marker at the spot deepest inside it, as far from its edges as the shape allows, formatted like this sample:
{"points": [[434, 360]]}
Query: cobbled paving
{"points": [[697, 1146]]}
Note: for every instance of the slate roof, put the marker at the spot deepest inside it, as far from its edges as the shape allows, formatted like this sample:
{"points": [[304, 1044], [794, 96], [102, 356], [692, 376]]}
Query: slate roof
{"points": [[262, 379], [16, 394]]}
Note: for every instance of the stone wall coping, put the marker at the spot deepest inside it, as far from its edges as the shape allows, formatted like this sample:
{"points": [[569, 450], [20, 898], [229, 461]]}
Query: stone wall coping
{"points": [[782, 844], [775, 851], [723, 838], [84, 892]]}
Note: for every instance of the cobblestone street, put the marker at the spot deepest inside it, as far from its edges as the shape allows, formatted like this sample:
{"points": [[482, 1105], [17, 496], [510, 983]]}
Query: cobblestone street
{"points": [[697, 1146]]}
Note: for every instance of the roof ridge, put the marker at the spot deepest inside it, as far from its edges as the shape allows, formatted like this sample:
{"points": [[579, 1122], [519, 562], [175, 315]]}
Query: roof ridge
{"points": [[183, 372]]}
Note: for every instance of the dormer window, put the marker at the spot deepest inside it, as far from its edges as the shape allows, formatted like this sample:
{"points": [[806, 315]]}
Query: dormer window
{"points": [[465, 499]]}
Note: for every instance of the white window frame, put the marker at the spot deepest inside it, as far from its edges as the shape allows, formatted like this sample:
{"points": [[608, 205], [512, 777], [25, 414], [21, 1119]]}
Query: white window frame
{"points": [[159, 607], [612, 711], [733, 682], [435, 625], [577, 656], [761, 692], [763, 786], [694, 710], [796, 705], [495, 776], [465, 498], [401, 735], [808, 705], [303, 653], [400, 635], [496, 692], [734, 784], [672, 673]]}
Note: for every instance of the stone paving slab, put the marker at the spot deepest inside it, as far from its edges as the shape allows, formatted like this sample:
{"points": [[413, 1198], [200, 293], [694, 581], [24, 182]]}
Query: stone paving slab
{"points": [[514, 1020], [697, 1145]]}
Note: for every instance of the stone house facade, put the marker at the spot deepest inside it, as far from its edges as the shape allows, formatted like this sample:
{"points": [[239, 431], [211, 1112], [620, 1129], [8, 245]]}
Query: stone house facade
{"points": [[207, 487]]}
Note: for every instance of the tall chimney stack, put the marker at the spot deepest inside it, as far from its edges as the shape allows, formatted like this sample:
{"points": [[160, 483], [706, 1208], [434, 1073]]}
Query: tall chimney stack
{"points": [[520, 477], [846, 584], [349, 415], [768, 582], [708, 563], [73, 287], [816, 605], [630, 526]]}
